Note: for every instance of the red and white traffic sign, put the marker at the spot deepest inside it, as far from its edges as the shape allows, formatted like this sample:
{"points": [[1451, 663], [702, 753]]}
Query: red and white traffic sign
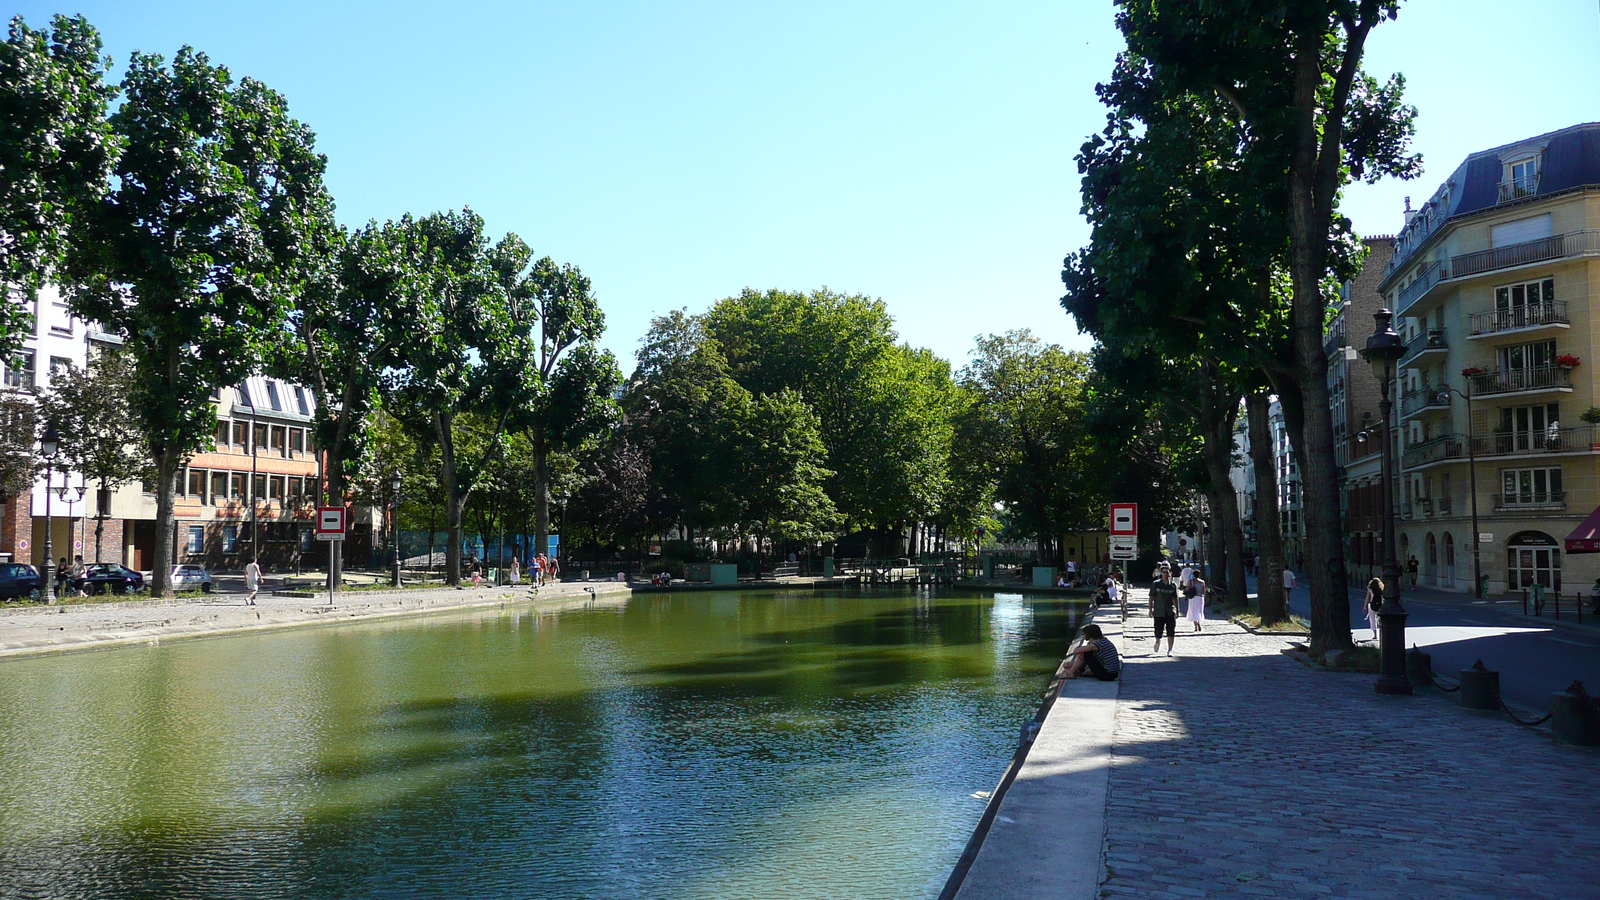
{"points": [[1125, 518], [330, 523]]}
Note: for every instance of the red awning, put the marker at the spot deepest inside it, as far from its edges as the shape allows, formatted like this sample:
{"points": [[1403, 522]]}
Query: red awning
{"points": [[1586, 537]]}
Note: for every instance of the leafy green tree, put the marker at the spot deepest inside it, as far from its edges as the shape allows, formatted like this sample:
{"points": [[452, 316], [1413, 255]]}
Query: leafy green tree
{"points": [[56, 151], [1029, 427], [19, 464], [872, 397], [577, 380], [1292, 76], [778, 472], [193, 256], [471, 351], [612, 501], [100, 437]]}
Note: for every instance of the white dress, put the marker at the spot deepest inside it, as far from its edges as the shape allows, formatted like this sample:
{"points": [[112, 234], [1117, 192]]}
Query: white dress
{"points": [[1196, 611]]}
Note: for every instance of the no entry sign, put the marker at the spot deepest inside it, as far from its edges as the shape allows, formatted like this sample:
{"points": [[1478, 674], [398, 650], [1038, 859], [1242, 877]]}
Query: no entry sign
{"points": [[330, 523], [1125, 518]]}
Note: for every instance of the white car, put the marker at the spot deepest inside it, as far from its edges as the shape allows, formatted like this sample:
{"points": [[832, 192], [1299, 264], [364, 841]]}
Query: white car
{"points": [[187, 578]]}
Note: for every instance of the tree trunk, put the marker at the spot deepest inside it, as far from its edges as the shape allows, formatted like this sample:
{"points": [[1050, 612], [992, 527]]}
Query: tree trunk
{"points": [[453, 505], [1271, 602], [167, 474], [541, 499], [1219, 412]]}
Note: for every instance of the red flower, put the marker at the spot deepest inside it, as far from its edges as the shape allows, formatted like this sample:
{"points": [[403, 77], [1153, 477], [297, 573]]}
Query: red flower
{"points": [[1568, 360], [1470, 371]]}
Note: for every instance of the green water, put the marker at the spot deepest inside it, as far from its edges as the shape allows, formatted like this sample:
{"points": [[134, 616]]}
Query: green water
{"points": [[724, 745]]}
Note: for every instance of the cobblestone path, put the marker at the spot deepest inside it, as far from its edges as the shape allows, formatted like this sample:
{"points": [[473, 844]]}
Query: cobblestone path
{"points": [[1238, 772]]}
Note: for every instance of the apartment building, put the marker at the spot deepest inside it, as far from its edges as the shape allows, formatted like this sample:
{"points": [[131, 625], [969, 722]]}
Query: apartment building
{"points": [[252, 494], [1493, 281]]}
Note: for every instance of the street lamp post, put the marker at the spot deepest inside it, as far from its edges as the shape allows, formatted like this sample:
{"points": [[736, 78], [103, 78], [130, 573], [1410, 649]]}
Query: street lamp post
{"points": [[1472, 478], [49, 443], [394, 524], [1383, 350]]}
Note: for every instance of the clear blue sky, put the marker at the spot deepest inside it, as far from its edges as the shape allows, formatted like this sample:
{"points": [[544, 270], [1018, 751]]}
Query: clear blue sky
{"points": [[678, 152]]}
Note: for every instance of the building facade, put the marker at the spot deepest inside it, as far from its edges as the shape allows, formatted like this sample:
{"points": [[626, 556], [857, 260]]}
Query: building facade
{"points": [[1493, 281], [252, 494]]}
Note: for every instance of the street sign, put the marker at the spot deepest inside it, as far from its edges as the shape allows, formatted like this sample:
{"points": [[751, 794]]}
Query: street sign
{"points": [[1125, 543], [1485, 537], [330, 523], [1123, 554], [1125, 518]]}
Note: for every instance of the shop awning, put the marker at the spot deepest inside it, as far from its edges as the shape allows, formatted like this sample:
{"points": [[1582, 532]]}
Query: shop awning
{"points": [[1586, 537]]}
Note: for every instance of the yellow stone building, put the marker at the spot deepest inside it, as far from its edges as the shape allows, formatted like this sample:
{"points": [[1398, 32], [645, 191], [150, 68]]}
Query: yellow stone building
{"points": [[1493, 281]]}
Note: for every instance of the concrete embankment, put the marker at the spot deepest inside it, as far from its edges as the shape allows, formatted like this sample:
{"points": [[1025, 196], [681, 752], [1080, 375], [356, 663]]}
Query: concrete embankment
{"points": [[1043, 833], [30, 631]]}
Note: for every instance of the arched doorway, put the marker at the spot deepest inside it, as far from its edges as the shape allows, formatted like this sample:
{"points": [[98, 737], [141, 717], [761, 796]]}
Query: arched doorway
{"points": [[1533, 557], [1449, 558], [1430, 559]]}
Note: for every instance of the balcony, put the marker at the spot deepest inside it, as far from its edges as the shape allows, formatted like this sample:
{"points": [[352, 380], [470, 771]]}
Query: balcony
{"points": [[1429, 276], [1574, 439], [1424, 399], [1439, 449], [1333, 343], [1556, 246], [1521, 381], [1526, 321], [1425, 346], [1532, 501], [1442, 506], [1518, 189]]}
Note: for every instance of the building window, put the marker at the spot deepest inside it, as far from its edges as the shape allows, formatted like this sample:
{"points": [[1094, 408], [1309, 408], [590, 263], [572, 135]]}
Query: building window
{"points": [[1523, 358], [237, 482], [219, 487], [275, 487], [278, 440], [241, 435], [261, 438], [223, 431], [1531, 487], [301, 401], [19, 371], [197, 539], [272, 396], [1522, 178], [59, 365], [297, 440], [1528, 429], [1512, 299], [260, 488], [197, 484], [230, 539]]}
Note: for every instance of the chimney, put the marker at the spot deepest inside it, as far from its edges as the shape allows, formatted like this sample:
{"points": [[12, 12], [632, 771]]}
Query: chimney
{"points": [[1410, 213]]}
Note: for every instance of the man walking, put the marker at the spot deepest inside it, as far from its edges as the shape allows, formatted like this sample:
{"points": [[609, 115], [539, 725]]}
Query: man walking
{"points": [[1164, 610], [252, 580]]}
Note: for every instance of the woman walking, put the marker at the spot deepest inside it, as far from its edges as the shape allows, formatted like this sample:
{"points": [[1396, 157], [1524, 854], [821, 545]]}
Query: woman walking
{"points": [[1374, 600], [1196, 611]]}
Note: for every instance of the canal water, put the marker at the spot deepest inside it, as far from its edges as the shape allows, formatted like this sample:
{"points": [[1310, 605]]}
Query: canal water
{"points": [[713, 745]]}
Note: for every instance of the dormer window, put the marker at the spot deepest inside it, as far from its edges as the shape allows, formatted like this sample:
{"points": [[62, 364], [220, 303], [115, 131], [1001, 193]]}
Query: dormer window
{"points": [[1521, 179]]}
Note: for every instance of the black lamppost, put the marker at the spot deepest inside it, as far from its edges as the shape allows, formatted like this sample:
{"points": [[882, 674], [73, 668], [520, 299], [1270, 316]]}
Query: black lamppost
{"points": [[394, 524], [1472, 476], [49, 443], [1383, 350]]}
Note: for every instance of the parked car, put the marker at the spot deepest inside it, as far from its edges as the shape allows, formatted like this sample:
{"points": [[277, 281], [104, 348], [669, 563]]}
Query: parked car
{"points": [[101, 578], [187, 578], [20, 581]]}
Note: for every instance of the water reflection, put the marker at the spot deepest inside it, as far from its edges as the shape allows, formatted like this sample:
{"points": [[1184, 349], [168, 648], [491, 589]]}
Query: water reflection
{"points": [[714, 745]]}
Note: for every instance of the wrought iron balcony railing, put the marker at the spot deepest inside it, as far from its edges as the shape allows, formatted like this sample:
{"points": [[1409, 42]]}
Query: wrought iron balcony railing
{"points": [[1553, 312]]}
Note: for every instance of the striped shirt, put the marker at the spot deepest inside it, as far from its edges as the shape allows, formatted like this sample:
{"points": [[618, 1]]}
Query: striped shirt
{"points": [[1106, 652]]}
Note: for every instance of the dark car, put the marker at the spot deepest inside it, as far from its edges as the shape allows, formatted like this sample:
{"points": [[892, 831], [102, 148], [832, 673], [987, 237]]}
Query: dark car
{"points": [[100, 578], [20, 581]]}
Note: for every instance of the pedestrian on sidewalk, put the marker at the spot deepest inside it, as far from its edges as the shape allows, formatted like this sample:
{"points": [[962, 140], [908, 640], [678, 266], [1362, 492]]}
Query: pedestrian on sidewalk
{"points": [[252, 580], [1374, 600], [1411, 569], [1098, 653], [1196, 610], [1164, 610]]}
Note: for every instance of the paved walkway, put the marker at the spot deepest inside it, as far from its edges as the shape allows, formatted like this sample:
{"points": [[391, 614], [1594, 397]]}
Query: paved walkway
{"points": [[1236, 771], [26, 631]]}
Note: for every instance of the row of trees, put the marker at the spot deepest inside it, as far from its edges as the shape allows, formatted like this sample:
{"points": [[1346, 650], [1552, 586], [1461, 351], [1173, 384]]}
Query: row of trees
{"points": [[1218, 244], [193, 222]]}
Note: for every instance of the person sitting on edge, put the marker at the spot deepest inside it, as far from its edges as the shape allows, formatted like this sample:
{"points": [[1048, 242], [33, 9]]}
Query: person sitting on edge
{"points": [[1098, 653]]}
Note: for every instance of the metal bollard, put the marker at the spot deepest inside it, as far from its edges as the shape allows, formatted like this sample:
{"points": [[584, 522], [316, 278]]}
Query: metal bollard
{"points": [[1574, 719], [1480, 687], [1419, 667], [1524, 601]]}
